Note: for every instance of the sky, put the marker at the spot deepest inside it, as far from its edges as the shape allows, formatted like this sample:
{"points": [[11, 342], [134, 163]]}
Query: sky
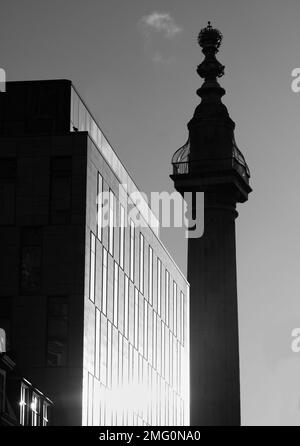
{"points": [[134, 63]]}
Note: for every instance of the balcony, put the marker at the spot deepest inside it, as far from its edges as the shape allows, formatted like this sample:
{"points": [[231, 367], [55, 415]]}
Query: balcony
{"points": [[182, 165]]}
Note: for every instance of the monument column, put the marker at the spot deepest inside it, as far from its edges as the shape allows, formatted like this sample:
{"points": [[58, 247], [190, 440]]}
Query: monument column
{"points": [[211, 162]]}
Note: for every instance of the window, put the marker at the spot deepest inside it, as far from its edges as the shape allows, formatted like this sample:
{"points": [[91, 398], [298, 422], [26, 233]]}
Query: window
{"points": [[141, 272], [116, 293], [130, 363], [24, 405], [163, 349], [154, 337], [105, 331], [90, 399], [136, 317], [57, 332], [111, 223], [31, 261], [182, 317], [99, 206], [145, 329], [92, 267], [122, 236], [150, 275], [7, 191], [109, 353], [171, 358], [175, 307], [126, 306], [35, 410], [167, 354], [97, 343], [46, 407], [104, 282], [158, 286], [167, 284], [97, 403], [158, 342], [61, 180], [120, 359], [132, 235]]}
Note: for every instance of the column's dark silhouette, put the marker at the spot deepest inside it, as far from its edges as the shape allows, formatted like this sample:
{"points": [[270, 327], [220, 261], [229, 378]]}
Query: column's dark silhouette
{"points": [[211, 162]]}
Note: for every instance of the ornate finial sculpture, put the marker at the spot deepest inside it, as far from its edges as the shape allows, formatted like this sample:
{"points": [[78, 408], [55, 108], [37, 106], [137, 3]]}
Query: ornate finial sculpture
{"points": [[210, 40]]}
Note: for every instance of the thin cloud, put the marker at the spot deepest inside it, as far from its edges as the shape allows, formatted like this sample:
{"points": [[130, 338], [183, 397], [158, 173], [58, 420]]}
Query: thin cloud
{"points": [[160, 59], [161, 22]]}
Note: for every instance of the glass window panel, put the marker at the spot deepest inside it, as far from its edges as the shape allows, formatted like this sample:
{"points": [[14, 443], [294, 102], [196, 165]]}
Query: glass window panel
{"points": [[163, 349], [182, 317], [109, 353], [111, 223], [82, 114], [103, 350], [96, 415], [94, 130], [120, 361], [150, 275], [132, 260], [46, 407], [35, 410], [136, 317], [159, 286], [141, 269], [92, 267], [104, 282], [90, 399], [122, 236], [24, 405], [145, 329], [171, 358], [154, 339], [126, 307], [175, 307], [167, 285], [99, 206], [116, 293], [97, 343]]}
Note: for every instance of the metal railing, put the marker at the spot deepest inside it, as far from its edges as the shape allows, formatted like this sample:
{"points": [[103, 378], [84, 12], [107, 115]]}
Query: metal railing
{"points": [[237, 162]]}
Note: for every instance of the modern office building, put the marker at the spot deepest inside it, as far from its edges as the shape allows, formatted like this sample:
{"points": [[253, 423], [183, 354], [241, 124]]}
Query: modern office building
{"points": [[211, 162], [97, 314]]}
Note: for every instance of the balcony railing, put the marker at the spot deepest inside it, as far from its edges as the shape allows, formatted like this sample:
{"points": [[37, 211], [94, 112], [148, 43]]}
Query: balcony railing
{"points": [[181, 163], [184, 167]]}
